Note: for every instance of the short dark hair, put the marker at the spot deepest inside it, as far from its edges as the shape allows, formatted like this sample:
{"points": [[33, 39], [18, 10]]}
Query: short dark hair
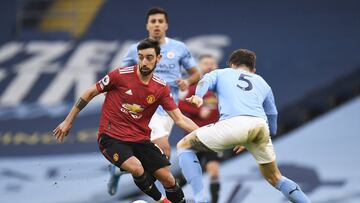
{"points": [[149, 43], [243, 57], [156, 10]]}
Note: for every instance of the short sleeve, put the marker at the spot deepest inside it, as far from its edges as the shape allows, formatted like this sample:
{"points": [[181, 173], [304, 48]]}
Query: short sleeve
{"points": [[187, 61], [208, 81], [108, 82], [167, 101], [130, 58]]}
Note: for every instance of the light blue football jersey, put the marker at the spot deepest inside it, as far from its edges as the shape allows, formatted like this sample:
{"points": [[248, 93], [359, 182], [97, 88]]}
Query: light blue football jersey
{"points": [[240, 93], [175, 55]]}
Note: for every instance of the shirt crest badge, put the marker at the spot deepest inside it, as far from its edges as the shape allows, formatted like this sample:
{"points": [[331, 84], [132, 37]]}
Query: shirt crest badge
{"points": [[116, 157], [170, 55], [150, 99]]}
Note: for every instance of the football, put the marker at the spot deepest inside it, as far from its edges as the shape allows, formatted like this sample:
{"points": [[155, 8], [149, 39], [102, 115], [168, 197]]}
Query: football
{"points": [[140, 201]]}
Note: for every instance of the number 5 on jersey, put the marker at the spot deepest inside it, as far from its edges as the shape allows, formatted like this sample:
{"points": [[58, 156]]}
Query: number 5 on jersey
{"points": [[249, 85]]}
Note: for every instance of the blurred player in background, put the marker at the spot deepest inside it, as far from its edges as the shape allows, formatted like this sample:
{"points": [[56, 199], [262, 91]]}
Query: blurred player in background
{"points": [[132, 96], [175, 55], [248, 117], [206, 114]]}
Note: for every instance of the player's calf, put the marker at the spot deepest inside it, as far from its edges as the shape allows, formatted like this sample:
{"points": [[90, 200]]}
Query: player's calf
{"points": [[146, 184]]}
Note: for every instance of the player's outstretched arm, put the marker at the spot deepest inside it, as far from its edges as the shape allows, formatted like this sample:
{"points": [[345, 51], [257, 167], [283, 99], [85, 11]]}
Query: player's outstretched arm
{"points": [[182, 121], [62, 130], [194, 77]]}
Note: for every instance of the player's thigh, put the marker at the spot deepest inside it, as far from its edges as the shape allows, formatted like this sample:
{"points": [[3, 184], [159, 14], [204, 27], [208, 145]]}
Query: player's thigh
{"points": [[115, 151], [262, 153], [208, 156], [223, 134], [151, 157], [211, 156], [162, 142], [133, 165], [230, 132], [160, 125], [260, 144]]}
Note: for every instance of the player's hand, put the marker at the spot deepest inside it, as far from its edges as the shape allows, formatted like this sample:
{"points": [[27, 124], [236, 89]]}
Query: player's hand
{"points": [[195, 100], [62, 131], [237, 149], [183, 84]]}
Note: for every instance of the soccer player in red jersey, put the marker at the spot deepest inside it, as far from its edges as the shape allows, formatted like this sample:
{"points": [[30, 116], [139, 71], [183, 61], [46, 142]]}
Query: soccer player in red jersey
{"points": [[132, 97], [175, 57]]}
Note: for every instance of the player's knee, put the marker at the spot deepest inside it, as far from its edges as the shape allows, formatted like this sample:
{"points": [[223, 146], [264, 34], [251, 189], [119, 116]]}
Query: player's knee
{"points": [[179, 145], [168, 181], [136, 170], [182, 144]]}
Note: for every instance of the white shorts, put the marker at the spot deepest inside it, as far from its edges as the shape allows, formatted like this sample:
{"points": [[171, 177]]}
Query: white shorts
{"points": [[160, 125], [250, 132]]}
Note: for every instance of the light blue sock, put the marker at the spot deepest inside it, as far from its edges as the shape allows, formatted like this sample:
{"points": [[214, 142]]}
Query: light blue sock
{"points": [[191, 169], [291, 190]]}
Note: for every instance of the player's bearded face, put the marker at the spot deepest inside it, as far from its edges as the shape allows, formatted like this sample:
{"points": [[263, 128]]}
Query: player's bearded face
{"points": [[145, 70], [147, 61]]}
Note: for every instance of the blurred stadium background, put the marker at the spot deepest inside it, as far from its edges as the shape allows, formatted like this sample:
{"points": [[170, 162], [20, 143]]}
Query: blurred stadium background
{"points": [[51, 50]]}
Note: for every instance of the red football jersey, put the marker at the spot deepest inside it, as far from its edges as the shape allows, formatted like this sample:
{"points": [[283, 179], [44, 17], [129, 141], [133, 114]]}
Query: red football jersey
{"points": [[129, 104]]}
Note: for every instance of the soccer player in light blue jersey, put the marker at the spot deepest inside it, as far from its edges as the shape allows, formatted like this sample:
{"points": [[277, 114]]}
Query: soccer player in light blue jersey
{"points": [[175, 56], [248, 117]]}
